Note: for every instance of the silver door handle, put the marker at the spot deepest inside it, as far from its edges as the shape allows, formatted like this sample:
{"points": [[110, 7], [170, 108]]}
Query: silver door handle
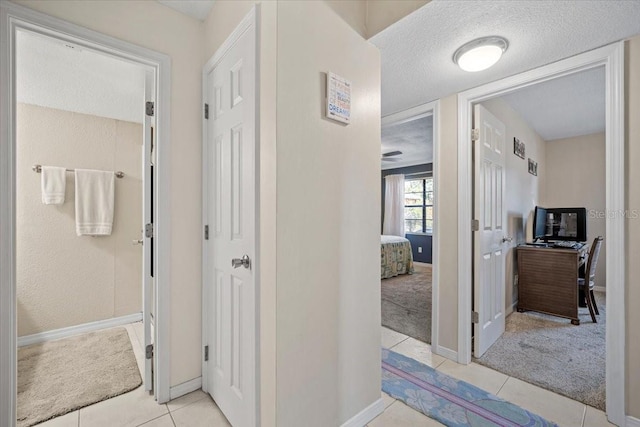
{"points": [[245, 262], [137, 242], [507, 239]]}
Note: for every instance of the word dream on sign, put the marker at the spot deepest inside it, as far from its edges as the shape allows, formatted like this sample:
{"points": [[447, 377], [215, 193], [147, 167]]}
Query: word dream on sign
{"points": [[338, 98]]}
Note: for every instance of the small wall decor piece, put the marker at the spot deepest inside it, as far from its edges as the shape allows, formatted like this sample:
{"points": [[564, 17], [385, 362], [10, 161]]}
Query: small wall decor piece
{"points": [[338, 98], [533, 167], [518, 147]]}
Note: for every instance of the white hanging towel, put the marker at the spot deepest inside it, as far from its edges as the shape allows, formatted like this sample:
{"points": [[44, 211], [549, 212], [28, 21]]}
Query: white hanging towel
{"points": [[54, 184], [94, 202]]}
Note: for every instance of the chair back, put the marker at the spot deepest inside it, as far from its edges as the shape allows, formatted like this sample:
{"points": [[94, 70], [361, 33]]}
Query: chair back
{"points": [[594, 253]]}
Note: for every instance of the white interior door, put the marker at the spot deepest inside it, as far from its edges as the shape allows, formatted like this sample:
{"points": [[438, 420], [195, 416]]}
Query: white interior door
{"points": [[147, 238], [230, 92], [489, 239]]}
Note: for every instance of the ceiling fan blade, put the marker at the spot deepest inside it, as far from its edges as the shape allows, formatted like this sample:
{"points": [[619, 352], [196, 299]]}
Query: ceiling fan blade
{"points": [[392, 153]]}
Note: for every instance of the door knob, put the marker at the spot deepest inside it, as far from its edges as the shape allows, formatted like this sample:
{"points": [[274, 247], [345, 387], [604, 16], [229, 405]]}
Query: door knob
{"points": [[137, 242], [245, 262], [507, 239]]}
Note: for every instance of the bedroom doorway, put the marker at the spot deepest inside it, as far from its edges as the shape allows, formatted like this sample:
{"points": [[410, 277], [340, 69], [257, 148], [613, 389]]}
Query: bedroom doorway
{"points": [[610, 59], [409, 229], [539, 348]]}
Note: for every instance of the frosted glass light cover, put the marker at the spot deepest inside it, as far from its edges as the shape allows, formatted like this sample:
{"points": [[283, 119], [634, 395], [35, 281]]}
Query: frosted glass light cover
{"points": [[480, 58], [480, 54]]}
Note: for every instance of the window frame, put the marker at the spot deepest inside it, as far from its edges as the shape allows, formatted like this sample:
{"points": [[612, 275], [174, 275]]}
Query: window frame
{"points": [[423, 206]]}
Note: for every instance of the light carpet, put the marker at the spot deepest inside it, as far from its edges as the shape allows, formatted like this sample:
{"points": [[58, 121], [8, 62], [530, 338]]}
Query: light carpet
{"points": [[406, 303], [452, 402], [552, 353], [61, 376]]}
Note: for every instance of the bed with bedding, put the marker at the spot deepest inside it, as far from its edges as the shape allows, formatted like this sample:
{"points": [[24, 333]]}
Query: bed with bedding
{"points": [[395, 256]]}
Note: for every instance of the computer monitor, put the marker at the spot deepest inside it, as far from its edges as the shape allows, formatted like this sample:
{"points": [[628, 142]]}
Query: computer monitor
{"points": [[560, 224], [539, 223]]}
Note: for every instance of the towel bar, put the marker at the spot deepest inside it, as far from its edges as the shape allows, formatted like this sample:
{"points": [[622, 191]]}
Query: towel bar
{"points": [[38, 169]]}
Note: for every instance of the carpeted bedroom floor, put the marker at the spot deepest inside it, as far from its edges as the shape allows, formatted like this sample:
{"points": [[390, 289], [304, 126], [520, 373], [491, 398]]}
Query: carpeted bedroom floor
{"points": [[552, 353], [406, 303]]}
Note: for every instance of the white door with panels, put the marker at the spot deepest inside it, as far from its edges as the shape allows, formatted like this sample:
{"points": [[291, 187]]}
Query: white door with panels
{"points": [[490, 230], [147, 240], [230, 227]]}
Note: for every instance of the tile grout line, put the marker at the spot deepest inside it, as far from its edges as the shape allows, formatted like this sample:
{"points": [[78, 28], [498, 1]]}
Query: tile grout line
{"points": [[502, 386], [584, 415], [398, 343], [153, 419], [171, 416]]}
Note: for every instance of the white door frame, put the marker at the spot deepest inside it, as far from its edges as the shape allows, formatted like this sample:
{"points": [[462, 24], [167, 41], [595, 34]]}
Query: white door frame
{"points": [[420, 111], [13, 18], [251, 19], [612, 58]]}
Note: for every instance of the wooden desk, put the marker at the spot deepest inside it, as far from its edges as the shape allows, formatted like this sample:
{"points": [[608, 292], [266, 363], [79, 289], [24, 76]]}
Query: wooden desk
{"points": [[548, 280]]}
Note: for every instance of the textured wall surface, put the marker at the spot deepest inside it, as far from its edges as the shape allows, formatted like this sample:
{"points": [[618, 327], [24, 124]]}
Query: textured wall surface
{"points": [[64, 279]]}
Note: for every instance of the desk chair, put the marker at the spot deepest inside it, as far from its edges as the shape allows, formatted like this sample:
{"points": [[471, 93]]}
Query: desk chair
{"points": [[586, 284]]}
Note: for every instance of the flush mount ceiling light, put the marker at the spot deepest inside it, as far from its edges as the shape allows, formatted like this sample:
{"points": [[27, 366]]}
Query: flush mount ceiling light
{"points": [[480, 54]]}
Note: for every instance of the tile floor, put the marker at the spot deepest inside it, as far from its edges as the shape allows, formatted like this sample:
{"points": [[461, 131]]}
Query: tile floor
{"points": [[137, 408]]}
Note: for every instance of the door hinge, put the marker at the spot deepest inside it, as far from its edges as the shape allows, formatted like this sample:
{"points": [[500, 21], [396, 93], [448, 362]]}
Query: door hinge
{"points": [[475, 317], [475, 225], [148, 230], [149, 108], [206, 232], [475, 134], [206, 111], [206, 353], [149, 351]]}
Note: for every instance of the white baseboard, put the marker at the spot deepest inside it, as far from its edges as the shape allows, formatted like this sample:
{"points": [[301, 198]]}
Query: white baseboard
{"points": [[447, 352], [78, 329], [602, 289], [185, 388], [367, 414], [632, 422]]}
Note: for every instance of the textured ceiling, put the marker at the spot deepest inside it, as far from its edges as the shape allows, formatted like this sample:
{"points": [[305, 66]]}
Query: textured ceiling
{"points": [[198, 9], [569, 106], [62, 76], [414, 139], [417, 50]]}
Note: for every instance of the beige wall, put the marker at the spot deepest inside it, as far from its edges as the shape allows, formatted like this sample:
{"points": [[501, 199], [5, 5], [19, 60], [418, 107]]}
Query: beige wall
{"points": [[383, 13], [64, 280], [353, 12], [523, 190], [328, 294], [576, 177], [151, 25], [632, 132], [447, 207]]}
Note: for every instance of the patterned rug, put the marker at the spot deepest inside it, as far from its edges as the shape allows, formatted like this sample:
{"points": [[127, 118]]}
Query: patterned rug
{"points": [[448, 400]]}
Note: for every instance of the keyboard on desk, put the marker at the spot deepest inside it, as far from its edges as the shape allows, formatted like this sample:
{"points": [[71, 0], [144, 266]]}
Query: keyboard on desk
{"points": [[568, 245]]}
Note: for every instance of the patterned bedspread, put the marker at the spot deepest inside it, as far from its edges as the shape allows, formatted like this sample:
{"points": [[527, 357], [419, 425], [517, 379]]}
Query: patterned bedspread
{"points": [[395, 256]]}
